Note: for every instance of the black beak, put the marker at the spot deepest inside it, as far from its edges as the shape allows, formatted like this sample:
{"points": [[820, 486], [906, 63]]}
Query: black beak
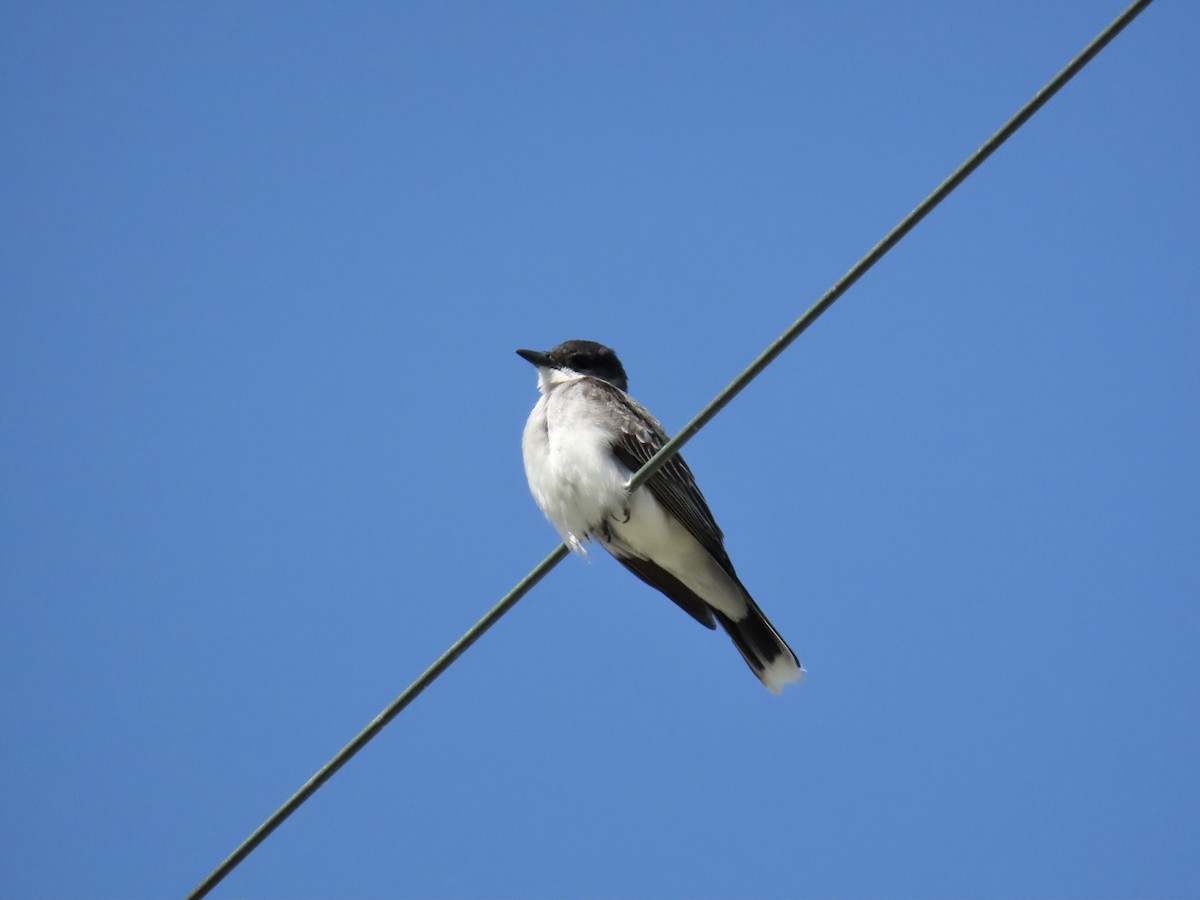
{"points": [[537, 357]]}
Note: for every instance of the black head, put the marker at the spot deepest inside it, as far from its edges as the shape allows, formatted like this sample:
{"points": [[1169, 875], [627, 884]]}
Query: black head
{"points": [[584, 357]]}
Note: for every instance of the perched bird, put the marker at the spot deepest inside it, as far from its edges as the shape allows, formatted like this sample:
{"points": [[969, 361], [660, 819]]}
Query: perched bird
{"points": [[584, 440]]}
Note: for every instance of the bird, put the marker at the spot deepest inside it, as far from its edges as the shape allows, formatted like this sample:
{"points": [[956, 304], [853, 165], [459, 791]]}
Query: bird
{"points": [[581, 445]]}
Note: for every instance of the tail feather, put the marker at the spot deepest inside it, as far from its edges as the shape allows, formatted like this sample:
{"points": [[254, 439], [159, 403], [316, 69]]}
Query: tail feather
{"points": [[765, 652]]}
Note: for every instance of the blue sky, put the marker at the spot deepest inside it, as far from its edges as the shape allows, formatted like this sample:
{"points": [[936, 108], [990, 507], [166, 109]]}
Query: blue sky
{"points": [[263, 270]]}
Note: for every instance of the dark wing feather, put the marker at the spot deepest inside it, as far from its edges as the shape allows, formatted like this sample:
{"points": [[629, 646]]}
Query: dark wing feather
{"points": [[673, 486], [670, 586]]}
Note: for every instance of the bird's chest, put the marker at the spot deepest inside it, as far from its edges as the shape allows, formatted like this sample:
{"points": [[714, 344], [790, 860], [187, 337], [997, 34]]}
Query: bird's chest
{"points": [[572, 472]]}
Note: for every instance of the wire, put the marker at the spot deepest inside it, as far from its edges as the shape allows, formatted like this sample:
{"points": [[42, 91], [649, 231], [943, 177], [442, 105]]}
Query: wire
{"points": [[893, 237], [377, 725], [675, 443]]}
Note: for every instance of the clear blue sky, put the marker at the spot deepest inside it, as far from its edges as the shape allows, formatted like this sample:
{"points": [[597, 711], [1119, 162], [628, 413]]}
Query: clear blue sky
{"points": [[264, 267]]}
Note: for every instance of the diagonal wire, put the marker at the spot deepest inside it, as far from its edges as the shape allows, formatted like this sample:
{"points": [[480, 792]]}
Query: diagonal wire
{"points": [[893, 237], [672, 446]]}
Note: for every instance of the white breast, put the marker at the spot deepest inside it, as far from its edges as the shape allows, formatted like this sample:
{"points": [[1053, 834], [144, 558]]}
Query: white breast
{"points": [[572, 473]]}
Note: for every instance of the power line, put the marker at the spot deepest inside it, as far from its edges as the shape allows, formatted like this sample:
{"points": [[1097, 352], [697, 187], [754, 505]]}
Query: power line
{"points": [[893, 237], [393, 709], [673, 446]]}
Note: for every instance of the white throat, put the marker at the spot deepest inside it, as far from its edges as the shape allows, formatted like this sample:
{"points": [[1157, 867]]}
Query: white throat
{"points": [[548, 378]]}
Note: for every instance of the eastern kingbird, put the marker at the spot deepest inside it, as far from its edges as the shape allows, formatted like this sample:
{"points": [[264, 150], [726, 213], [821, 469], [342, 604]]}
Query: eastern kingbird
{"points": [[584, 440]]}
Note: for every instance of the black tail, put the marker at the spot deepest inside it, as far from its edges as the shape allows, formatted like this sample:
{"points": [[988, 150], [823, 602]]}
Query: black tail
{"points": [[766, 653]]}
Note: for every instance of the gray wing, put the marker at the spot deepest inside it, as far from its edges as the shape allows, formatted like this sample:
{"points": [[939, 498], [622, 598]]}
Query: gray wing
{"points": [[673, 486]]}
